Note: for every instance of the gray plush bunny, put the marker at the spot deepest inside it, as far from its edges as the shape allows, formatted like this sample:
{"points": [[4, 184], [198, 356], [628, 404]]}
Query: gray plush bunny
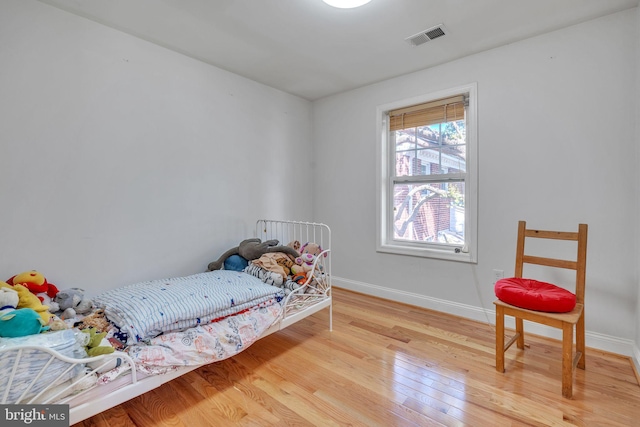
{"points": [[251, 249]]}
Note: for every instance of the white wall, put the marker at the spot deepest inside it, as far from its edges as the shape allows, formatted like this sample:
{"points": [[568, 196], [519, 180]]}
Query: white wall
{"points": [[124, 161], [557, 142]]}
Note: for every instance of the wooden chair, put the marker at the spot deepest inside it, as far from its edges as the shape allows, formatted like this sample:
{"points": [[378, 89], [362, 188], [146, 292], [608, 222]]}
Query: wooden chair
{"points": [[564, 321]]}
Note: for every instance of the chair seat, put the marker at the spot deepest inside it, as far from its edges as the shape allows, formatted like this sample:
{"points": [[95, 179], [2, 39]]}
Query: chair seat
{"points": [[554, 319], [535, 295]]}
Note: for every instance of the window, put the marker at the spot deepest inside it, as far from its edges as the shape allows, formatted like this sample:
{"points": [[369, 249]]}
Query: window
{"points": [[427, 173]]}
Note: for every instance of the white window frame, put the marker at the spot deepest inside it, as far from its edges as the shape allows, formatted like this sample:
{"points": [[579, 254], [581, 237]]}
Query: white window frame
{"points": [[385, 169]]}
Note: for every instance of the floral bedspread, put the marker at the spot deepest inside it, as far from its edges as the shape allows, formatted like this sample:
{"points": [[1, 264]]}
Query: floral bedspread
{"points": [[205, 343]]}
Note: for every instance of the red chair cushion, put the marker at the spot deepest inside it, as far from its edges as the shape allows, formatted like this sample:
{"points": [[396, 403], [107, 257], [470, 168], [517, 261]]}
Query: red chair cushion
{"points": [[534, 295]]}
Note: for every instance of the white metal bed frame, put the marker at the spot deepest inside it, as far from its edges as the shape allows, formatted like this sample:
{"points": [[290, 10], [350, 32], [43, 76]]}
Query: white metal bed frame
{"points": [[310, 298], [300, 303]]}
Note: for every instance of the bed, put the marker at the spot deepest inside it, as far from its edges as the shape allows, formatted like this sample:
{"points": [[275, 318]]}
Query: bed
{"points": [[224, 312]]}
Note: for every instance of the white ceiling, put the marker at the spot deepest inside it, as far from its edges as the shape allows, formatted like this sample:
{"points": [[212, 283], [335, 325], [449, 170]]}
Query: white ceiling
{"points": [[312, 50]]}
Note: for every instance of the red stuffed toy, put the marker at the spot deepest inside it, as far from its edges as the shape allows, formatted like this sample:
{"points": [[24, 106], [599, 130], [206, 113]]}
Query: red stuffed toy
{"points": [[35, 282]]}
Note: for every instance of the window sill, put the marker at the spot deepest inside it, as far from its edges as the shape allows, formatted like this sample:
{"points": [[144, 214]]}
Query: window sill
{"points": [[443, 254]]}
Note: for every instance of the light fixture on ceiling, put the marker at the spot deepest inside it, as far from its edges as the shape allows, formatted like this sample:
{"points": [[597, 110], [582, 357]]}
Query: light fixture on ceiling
{"points": [[346, 4]]}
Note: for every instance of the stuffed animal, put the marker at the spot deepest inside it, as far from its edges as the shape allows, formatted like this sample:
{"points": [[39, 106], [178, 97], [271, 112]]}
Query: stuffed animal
{"points": [[29, 300], [304, 264], [295, 244], [57, 324], [94, 344], [16, 322], [311, 248], [72, 302], [308, 254], [38, 285], [96, 320], [8, 300], [251, 249]]}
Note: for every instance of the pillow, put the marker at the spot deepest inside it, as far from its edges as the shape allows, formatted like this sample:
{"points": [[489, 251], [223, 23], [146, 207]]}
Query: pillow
{"points": [[534, 295]]}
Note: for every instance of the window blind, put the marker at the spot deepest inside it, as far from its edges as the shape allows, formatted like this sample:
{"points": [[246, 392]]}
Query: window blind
{"points": [[439, 111]]}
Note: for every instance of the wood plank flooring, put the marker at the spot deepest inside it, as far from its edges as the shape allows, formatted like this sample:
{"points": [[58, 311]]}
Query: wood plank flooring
{"points": [[388, 364]]}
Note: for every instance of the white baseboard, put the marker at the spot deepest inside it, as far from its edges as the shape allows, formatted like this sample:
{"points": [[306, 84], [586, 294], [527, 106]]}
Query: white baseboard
{"points": [[594, 340]]}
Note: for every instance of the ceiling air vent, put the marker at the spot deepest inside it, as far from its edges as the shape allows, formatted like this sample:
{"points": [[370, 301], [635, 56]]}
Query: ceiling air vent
{"points": [[426, 35]]}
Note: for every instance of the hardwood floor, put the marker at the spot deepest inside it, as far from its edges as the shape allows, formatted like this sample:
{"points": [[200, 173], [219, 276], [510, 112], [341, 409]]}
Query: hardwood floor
{"points": [[388, 364]]}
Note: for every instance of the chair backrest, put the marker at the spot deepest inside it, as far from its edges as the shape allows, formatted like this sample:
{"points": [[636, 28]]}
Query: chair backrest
{"points": [[579, 264]]}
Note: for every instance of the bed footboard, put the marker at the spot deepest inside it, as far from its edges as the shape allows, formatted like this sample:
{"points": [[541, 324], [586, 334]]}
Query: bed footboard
{"points": [[34, 374], [315, 293]]}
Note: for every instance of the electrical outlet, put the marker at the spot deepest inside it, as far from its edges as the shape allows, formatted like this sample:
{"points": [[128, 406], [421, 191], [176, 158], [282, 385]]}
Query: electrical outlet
{"points": [[497, 275]]}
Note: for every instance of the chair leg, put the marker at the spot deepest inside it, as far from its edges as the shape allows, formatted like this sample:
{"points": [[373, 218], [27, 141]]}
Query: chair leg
{"points": [[580, 342], [499, 339], [520, 332], [567, 360]]}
